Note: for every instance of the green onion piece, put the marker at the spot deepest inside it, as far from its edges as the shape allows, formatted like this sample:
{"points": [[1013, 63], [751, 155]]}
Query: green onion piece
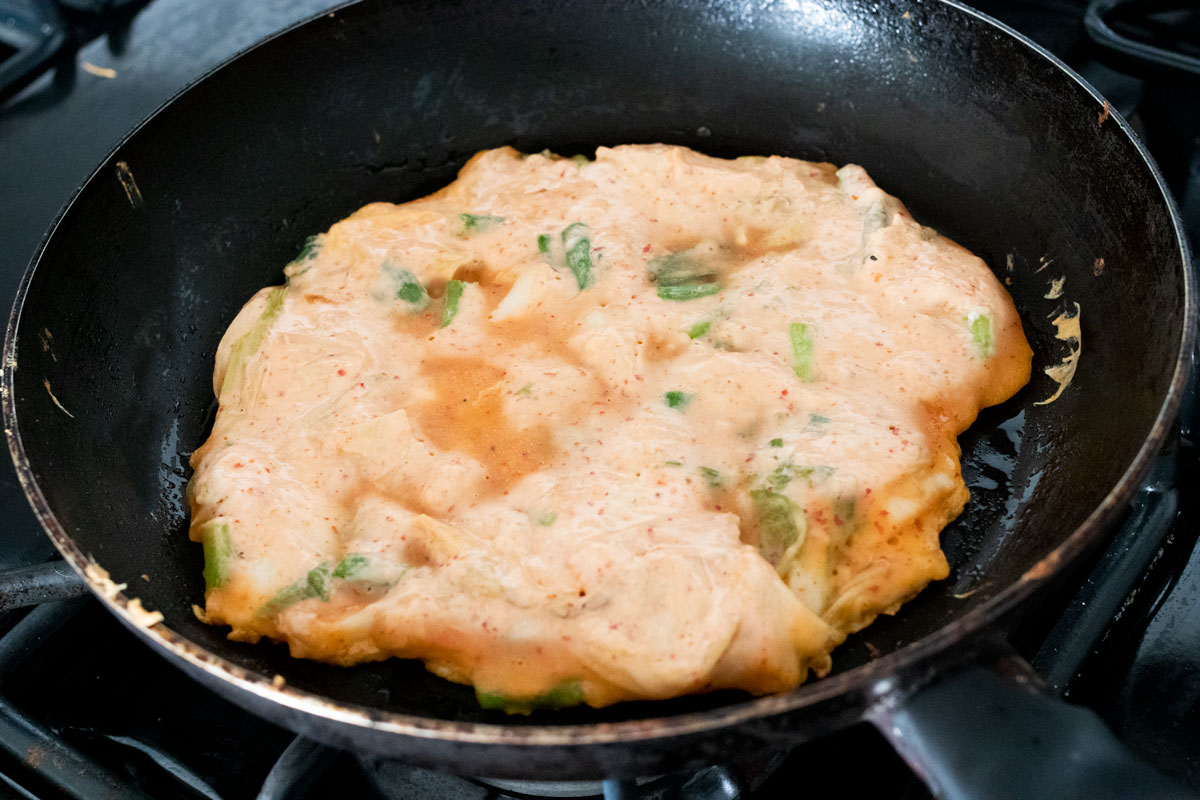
{"points": [[776, 443], [302, 262], [580, 160], [712, 477], [454, 290], [568, 694], [469, 224], [547, 518], [218, 553], [699, 329], [677, 399], [290, 596], [981, 333], [782, 475], [314, 584], [776, 520], [544, 243], [578, 247], [411, 291], [802, 350], [316, 580], [691, 292], [252, 339], [525, 391], [680, 269], [817, 422], [672, 463], [309, 251], [350, 565]]}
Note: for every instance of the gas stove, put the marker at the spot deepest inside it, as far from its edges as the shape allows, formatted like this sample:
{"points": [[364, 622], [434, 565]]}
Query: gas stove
{"points": [[88, 711]]}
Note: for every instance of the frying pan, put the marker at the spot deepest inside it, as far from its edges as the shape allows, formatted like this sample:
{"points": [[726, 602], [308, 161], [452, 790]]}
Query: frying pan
{"points": [[107, 372]]}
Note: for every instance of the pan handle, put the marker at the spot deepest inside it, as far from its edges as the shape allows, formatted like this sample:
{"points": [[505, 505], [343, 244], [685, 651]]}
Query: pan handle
{"points": [[989, 732]]}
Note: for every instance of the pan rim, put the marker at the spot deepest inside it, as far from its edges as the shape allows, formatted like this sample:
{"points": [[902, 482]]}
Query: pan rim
{"points": [[861, 678]]}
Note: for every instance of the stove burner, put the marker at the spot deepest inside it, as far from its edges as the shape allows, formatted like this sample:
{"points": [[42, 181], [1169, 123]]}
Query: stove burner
{"points": [[35, 35], [723, 782]]}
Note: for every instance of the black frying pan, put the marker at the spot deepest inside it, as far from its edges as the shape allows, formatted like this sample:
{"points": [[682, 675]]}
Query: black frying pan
{"points": [[109, 352]]}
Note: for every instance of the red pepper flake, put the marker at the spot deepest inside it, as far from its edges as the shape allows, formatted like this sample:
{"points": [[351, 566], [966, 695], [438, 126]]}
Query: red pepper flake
{"points": [[783, 393], [341, 372], [646, 249], [238, 465]]}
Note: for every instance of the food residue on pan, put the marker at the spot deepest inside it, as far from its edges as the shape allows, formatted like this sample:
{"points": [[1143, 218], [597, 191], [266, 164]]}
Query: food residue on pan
{"points": [[138, 614], [49, 391], [125, 177], [1056, 288], [1067, 330], [100, 72], [583, 431]]}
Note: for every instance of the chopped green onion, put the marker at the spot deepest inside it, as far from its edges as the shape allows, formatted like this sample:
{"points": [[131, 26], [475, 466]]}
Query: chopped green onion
{"points": [[411, 291], [317, 579], [470, 224], [685, 276], [677, 399], [802, 350], [578, 248], [544, 243], [981, 333], [712, 477], [301, 263], [454, 290], [568, 694], [546, 519], [699, 329], [776, 520], [680, 269], [776, 443], [525, 391], [309, 251], [817, 422], [290, 596], [218, 553], [580, 160], [314, 584], [350, 565], [691, 292], [673, 463], [782, 475], [252, 339]]}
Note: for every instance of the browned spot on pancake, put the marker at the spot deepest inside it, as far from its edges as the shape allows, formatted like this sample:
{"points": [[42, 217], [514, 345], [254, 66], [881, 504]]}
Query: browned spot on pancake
{"points": [[467, 415], [420, 324], [473, 272], [416, 553]]}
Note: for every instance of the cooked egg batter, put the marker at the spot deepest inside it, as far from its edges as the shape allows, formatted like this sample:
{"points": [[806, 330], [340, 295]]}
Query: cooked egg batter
{"points": [[591, 431]]}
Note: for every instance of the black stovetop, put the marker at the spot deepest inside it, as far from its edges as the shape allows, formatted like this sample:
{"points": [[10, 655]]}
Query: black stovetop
{"points": [[88, 711]]}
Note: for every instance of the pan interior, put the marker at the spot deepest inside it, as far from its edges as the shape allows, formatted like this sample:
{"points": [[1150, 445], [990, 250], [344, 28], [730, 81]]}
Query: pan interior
{"points": [[984, 139]]}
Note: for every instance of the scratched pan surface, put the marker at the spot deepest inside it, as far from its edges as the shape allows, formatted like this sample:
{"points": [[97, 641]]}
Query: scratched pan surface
{"points": [[110, 347]]}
